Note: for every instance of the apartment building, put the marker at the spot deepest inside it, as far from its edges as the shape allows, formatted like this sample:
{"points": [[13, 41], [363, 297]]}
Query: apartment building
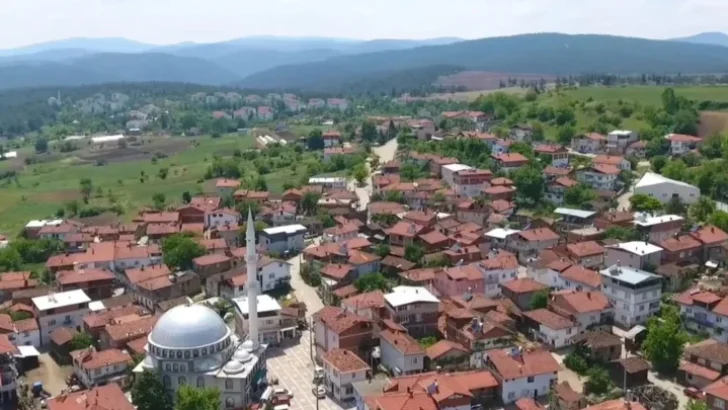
{"points": [[342, 368], [336, 329], [588, 309], [523, 373], [413, 307], [401, 353], [64, 309], [634, 293], [550, 328], [94, 368]]}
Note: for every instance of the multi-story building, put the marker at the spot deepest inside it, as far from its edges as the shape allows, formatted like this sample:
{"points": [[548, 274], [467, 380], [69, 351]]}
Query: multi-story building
{"points": [[336, 329], [658, 228], [342, 368], [509, 162], [331, 139], [8, 371], [154, 284], [272, 325], [681, 248], [289, 238], [96, 283], [471, 183], [598, 176], [95, 368], [65, 309], [551, 328], [704, 312], [619, 140], [413, 307], [589, 254], [613, 160], [522, 373], [449, 171], [591, 143], [401, 353], [681, 143], [634, 293], [556, 155], [703, 363], [635, 254], [530, 243], [588, 309]]}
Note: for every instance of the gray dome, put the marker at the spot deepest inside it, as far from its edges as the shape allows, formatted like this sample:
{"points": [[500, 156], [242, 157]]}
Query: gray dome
{"points": [[185, 327]]}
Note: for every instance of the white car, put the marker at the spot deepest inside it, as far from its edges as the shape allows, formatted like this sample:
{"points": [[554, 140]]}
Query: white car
{"points": [[319, 391], [281, 390]]}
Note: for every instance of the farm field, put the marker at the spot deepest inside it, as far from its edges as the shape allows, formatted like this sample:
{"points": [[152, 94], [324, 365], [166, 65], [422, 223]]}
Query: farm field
{"points": [[43, 188], [646, 94]]}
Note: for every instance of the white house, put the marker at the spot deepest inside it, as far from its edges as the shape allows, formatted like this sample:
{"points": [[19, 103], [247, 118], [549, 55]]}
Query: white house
{"points": [[401, 353], [618, 140], [100, 367], [635, 254], [551, 328], [523, 374], [221, 217], [65, 309], [704, 312], [681, 143], [273, 273], [328, 182], [341, 369], [21, 332], [500, 238], [449, 171], [566, 275], [634, 293], [283, 238], [664, 189], [269, 318], [586, 308], [471, 183], [601, 177]]}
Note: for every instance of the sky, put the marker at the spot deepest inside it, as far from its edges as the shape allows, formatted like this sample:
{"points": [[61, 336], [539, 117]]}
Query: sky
{"points": [[24, 22]]}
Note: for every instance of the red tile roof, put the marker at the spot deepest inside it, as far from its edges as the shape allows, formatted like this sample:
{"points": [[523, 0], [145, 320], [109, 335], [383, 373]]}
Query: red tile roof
{"points": [[227, 183], [70, 277], [617, 404], [697, 370], [433, 237], [584, 249], [710, 234], [581, 302], [501, 181], [556, 171], [90, 359], [606, 169], [63, 335], [614, 160], [683, 138], [578, 273], [718, 389], [523, 285], [339, 321], [510, 158], [406, 229], [373, 299], [336, 271], [131, 330], [525, 364], [212, 259], [549, 319], [443, 347], [345, 361], [528, 403], [401, 341], [681, 243], [376, 208], [540, 234], [109, 397]]}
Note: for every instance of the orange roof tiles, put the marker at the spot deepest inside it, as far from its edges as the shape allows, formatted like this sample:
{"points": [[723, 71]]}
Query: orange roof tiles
{"points": [[549, 319], [681, 243], [132, 330], [538, 235], [336, 271], [584, 249], [527, 403], [524, 285], [443, 347], [63, 335], [525, 364], [606, 169], [401, 341], [109, 397], [373, 299], [578, 273], [212, 259], [581, 302], [433, 237], [227, 183], [510, 158], [337, 320], [90, 359], [345, 361], [406, 229], [70, 277], [710, 235]]}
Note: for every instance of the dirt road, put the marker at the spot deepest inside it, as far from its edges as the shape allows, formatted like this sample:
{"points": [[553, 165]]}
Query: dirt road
{"points": [[385, 153]]}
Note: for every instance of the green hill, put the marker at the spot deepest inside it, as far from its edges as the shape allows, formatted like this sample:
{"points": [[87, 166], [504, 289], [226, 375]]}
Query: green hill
{"points": [[555, 54]]}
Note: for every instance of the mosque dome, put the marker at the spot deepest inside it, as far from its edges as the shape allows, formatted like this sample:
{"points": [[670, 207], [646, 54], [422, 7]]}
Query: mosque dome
{"points": [[187, 327]]}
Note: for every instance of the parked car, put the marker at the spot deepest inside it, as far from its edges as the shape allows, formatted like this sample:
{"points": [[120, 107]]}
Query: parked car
{"points": [[283, 391], [319, 391], [694, 393]]}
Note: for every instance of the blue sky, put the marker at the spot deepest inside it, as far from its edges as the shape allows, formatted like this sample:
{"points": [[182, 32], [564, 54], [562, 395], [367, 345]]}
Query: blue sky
{"points": [[25, 22]]}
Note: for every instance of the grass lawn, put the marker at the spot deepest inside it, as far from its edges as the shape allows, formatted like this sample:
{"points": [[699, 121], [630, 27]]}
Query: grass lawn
{"points": [[43, 188], [647, 94]]}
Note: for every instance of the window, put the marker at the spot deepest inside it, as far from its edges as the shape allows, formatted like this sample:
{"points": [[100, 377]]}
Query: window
{"points": [[168, 367], [511, 395], [414, 360], [719, 403], [175, 367], [642, 308], [187, 354], [52, 322], [97, 372], [179, 354], [167, 381], [530, 379], [349, 390], [228, 384], [229, 402], [182, 380]]}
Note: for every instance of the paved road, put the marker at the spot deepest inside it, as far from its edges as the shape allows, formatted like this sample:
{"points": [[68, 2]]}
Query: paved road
{"points": [[303, 292], [293, 367], [623, 200], [385, 153]]}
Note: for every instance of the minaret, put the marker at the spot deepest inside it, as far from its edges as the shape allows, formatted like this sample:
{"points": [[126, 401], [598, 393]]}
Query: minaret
{"points": [[251, 259]]}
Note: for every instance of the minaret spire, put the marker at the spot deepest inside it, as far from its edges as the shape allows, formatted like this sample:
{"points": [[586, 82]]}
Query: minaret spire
{"points": [[251, 259]]}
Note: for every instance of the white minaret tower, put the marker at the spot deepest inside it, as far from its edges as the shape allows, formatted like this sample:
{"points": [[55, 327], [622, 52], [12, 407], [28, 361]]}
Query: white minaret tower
{"points": [[251, 258]]}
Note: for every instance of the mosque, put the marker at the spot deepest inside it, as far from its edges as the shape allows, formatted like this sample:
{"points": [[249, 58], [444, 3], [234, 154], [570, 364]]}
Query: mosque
{"points": [[191, 344]]}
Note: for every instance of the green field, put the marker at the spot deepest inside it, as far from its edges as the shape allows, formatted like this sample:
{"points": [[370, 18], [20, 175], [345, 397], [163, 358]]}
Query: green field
{"points": [[43, 188], [648, 94]]}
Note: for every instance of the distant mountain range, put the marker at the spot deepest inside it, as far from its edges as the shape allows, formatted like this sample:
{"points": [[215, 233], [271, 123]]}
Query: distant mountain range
{"points": [[330, 64]]}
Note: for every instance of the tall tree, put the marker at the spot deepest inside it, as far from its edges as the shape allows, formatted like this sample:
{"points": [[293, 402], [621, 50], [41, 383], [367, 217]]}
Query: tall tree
{"points": [[414, 252], [315, 140], [530, 184], [148, 392], [158, 201], [644, 203], [190, 398], [369, 131], [86, 187], [371, 281], [702, 209], [309, 202], [665, 340], [179, 251]]}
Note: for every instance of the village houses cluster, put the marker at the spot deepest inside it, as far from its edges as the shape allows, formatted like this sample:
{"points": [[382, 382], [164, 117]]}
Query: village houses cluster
{"points": [[484, 263]]}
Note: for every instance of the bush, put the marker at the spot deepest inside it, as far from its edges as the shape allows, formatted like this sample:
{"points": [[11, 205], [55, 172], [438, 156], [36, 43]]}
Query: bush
{"points": [[576, 363]]}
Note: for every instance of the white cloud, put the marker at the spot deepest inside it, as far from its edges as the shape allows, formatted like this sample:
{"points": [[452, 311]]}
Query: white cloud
{"points": [[170, 21]]}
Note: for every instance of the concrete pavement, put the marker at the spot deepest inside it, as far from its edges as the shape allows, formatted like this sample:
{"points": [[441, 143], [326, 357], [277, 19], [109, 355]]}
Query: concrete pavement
{"points": [[304, 292], [385, 153]]}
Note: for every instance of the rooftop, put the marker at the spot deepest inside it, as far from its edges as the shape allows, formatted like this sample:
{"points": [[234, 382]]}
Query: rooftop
{"points": [[287, 229], [57, 300], [578, 213], [265, 304], [628, 274], [516, 364], [637, 247], [345, 361], [404, 295]]}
